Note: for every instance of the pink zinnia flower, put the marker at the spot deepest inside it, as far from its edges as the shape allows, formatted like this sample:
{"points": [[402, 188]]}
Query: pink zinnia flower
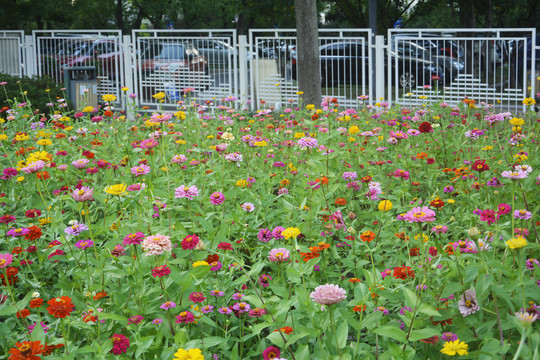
{"points": [[120, 344], [136, 187], [148, 144], [156, 244], [522, 214], [34, 167], [440, 229], [276, 233], [83, 194], [257, 312], [185, 317], [186, 192], [197, 297], [168, 305], [307, 143], [488, 216], [271, 352], [80, 164], [515, 175], [207, 309], [217, 198], [264, 280], [241, 307], [328, 294], [5, 260], [278, 255], [178, 159], [18, 232], [225, 246], [224, 310], [420, 215], [140, 170], [249, 207], [161, 271]]}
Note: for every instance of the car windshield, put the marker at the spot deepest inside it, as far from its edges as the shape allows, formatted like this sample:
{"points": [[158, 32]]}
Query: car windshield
{"points": [[171, 52]]}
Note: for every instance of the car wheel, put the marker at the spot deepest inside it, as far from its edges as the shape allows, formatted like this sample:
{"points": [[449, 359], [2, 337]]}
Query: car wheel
{"points": [[407, 80]]}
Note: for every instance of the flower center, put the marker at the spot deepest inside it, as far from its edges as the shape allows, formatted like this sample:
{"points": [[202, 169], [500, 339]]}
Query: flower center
{"points": [[419, 214], [2, 261], [522, 212], [279, 254], [81, 192], [183, 314], [468, 303]]}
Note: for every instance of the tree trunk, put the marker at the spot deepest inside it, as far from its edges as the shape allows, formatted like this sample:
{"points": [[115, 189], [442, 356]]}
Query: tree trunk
{"points": [[307, 50], [119, 13]]}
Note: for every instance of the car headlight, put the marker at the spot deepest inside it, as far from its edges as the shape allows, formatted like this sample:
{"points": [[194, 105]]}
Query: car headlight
{"points": [[431, 68], [458, 65]]}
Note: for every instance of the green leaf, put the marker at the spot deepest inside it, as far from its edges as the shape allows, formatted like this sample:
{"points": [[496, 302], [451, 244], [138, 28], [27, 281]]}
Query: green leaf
{"points": [[110, 316], [276, 339], [428, 310], [8, 310], [342, 333], [423, 334], [391, 332], [410, 297], [145, 345]]}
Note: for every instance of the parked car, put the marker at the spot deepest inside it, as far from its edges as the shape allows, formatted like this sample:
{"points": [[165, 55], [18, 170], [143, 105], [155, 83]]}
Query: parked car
{"points": [[105, 54], [217, 52], [452, 65], [346, 62], [520, 55], [274, 48]]}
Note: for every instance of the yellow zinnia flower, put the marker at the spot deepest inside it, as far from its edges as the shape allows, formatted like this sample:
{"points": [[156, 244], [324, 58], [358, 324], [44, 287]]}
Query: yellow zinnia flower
{"points": [[385, 205], [455, 347], [159, 95], [117, 189], [516, 243], [191, 354], [290, 232], [200, 263], [108, 97]]}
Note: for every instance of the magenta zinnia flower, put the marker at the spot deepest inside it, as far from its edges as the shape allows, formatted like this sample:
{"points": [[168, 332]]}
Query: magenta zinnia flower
{"points": [[186, 192], [18, 232], [207, 309], [271, 352], [488, 216], [420, 215], [217, 198], [75, 229], [190, 242], [241, 307], [328, 294], [120, 344], [80, 164], [133, 238], [264, 235], [185, 317], [257, 312], [84, 244]]}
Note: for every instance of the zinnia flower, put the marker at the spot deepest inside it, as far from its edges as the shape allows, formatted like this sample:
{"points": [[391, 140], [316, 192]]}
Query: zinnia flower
{"points": [[186, 192], [217, 198], [455, 347], [117, 189], [249, 207], [191, 354], [83, 194], [516, 243], [420, 215], [140, 170], [156, 244], [278, 255], [161, 271], [60, 307], [120, 344], [271, 353], [190, 242], [185, 317], [328, 294], [5, 260], [26, 350], [467, 303], [84, 244], [34, 166]]}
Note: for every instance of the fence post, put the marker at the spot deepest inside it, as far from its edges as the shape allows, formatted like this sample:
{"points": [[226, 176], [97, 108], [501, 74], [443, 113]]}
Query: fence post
{"points": [[379, 68], [129, 71], [29, 59], [243, 69]]}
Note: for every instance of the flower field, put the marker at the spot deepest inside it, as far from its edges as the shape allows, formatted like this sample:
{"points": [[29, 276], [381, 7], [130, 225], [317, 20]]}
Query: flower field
{"points": [[318, 232]]}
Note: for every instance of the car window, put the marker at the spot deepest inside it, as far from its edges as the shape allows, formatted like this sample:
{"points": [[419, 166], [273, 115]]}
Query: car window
{"points": [[334, 49], [171, 52]]}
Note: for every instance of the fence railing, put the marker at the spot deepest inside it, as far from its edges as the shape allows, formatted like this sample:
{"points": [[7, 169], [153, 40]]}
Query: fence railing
{"points": [[213, 67]]}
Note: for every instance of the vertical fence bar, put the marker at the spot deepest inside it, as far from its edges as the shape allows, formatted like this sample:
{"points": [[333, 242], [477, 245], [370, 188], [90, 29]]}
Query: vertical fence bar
{"points": [[243, 68], [379, 67]]}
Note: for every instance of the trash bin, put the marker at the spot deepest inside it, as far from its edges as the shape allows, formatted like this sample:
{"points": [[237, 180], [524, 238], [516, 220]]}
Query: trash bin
{"points": [[172, 91], [81, 86]]}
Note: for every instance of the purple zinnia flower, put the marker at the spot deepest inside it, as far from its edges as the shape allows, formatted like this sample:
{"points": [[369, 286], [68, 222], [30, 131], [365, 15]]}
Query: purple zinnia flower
{"points": [[241, 307], [186, 192], [449, 336], [84, 244], [140, 170], [265, 235], [276, 233], [225, 310], [522, 214], [468, 304], [168, 305], [217, 198], [17, 232], [207, 309], [133, 238], [75, 229]]}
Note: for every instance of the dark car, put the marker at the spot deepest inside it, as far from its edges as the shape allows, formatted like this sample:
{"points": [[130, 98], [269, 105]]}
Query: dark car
{"points": [[527, 49], [452, 65], [346, 62]]}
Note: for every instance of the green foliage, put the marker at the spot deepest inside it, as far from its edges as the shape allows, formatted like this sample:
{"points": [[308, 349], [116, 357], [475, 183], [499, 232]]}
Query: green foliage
{"points": [[30, 90]]}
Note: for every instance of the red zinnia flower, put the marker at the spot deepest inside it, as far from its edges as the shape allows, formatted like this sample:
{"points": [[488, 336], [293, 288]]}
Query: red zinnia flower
{"points": [[60, 307], [359, 308], [34, 234], [32, 213], [425, 127], [35, 303], [286, 329], [367, 236], [480, 166], [403, 272], [212, 258], [11, 276], [190, 242], [225, 246], [23, 313], [26, 350], [341, 201], [100, 295]]}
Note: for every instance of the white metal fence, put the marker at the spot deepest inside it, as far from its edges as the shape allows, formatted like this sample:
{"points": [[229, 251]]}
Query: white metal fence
{"points": [[213, 67]]}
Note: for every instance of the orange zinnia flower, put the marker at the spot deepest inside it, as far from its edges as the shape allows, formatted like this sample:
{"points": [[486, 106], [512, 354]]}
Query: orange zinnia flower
{"points": [[359, 308], [323, 246], [286, 329], [100, 295], [422, 155], [323, 180], [34, 234], [60, 307], [340, 201], [26, 350], [367, 236]]}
